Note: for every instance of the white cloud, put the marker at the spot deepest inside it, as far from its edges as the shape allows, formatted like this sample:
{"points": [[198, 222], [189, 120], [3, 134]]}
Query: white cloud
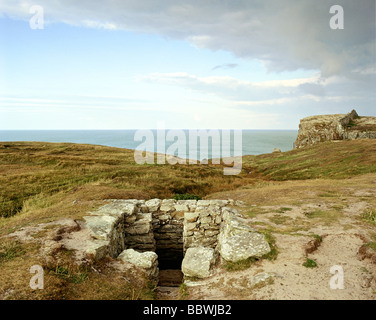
{"points": [[286, 35], [235, 89]]}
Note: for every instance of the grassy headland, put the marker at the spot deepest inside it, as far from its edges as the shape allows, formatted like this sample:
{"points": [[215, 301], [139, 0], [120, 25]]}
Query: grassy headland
{"points": [[40, 175], [42, 182]]}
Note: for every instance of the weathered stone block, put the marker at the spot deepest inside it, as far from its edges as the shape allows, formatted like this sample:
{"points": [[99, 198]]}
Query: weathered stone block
{"points": [[190, 226], [138, 229], [153, 204], [210, 233], [130, 219], [145, 260], [100, 227], [97, 248], [219, 203], [181, 207], [243, 246], [116, 209], [206, 219], [205, 225], [198, 261], [203, 203], [190, 216], [164, 217]]}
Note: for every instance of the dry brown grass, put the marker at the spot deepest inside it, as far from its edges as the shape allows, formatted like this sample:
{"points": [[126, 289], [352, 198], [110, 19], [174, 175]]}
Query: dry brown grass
{"points": [[298, 191], [29, 169], [42, 182], [64, 279]]}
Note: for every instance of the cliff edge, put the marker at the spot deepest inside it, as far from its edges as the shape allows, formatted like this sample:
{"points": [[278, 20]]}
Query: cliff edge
{"points": [[349, 126]]}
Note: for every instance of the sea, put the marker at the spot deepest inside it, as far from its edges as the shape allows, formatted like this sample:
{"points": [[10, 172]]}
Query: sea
{"points": [[253, 142]]}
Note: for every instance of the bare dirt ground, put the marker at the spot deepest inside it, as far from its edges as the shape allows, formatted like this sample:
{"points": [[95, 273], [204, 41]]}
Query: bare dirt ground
{"points": [[305, 210]]}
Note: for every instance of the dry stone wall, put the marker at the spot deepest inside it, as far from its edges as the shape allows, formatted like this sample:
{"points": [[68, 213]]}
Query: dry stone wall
{"points": [[168, 229]]}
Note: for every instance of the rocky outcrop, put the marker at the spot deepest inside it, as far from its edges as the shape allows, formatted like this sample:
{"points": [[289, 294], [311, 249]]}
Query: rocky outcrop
{"points": [[317, 129]]}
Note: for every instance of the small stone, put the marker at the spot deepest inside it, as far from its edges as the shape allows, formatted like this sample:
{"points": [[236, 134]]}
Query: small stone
{"points": [[219, 203], [203, 203], [190, 226], [153, 204], [167, 208], [130, 219], [181, 207], [202, 211], [205, 220], [210, 233], [187, 233], [260, 277], [144, 208], [164, 217], [138, 229], [190, 216]]}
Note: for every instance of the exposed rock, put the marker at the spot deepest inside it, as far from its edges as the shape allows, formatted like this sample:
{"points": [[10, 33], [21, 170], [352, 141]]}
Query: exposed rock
{"points": [[100, 226], [153, 204], [97, 248], [238, 241], [234, 225], [243, 246], [190, 216], [203, 203], [198, 261], [261, 277], [181, 207], [276, 150], [316, 129], [118, 208], [146, 260]]}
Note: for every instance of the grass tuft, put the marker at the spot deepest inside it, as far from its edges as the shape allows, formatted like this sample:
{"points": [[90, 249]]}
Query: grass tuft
{"points": [[239, 265], [310, 263], [273, 254], [10, 250], [369, 216], [186, 196]]}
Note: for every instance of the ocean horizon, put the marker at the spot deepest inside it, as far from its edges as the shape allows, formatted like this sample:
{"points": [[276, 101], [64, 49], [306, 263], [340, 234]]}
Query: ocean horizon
{"points": [[254, 142]]}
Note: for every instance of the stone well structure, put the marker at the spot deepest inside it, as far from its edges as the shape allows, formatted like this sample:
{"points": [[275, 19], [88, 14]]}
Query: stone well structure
{"points": [[160, 232]]}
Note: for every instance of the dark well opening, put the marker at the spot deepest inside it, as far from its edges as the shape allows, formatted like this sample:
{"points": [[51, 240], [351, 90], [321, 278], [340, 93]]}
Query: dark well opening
{"points": [[168, 235], [169, 264], [169, 258]]}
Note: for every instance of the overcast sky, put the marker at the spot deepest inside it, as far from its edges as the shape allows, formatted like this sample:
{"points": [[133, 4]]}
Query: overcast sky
{"points": [[126, 64]]}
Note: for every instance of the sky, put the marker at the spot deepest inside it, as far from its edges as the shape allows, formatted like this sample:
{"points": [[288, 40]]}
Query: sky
{"points": [[112, 64]]}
